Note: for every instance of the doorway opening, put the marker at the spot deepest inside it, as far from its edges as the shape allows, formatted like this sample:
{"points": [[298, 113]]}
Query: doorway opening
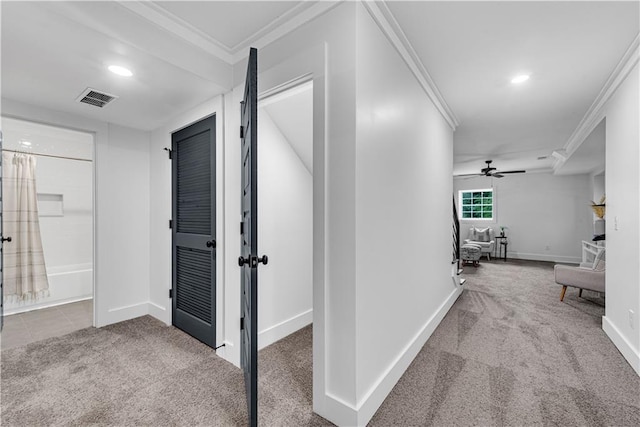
{"points": [[48, 223], [285, 233]]}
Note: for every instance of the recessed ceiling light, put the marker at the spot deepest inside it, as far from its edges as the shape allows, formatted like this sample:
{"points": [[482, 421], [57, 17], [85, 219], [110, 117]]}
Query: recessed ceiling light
{"points": [[520, 79], [121, 71], [26, 143]]}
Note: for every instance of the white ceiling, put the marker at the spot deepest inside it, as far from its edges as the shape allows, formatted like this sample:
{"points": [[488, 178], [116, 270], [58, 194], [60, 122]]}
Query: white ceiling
{"points": [[473, 49], [182, 54]]}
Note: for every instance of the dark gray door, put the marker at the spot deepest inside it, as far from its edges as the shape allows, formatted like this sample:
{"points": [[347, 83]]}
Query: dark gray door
{"points": [[193, 157], [249, 242], [1, 245]]}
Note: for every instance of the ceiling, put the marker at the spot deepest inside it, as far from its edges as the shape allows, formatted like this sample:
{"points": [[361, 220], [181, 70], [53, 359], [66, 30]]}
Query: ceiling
{"points": [[472, 50], [182, 54]]}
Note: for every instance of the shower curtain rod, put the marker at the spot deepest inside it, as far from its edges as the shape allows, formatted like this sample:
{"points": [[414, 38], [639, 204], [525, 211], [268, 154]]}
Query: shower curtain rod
{"points": [[48, 155]]}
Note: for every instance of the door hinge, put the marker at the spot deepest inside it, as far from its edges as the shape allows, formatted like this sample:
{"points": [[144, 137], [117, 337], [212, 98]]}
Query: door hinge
{"points": [[241, 323], [241, 131], [241, 227], [171, 224], [170, 152], [170, 293]]}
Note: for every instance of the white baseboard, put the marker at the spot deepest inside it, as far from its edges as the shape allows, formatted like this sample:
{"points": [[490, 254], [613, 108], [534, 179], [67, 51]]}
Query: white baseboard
{"points": [[120, 314], [339, 412], [284, 328], [160, 313], [17, 310], [624, 346], [544, 257], [344, 414], [372, 400]]}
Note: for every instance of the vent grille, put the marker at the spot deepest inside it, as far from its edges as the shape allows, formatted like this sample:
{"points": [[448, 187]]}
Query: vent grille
{"points": [[96, 98]]}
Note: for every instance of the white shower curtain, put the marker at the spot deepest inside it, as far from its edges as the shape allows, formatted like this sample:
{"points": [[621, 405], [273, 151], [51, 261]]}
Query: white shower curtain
{"points": [[25, 274]]}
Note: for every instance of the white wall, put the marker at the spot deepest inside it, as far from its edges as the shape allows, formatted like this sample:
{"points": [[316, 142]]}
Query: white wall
{"points": [[404, 161], [285, 234], [623, 218], [547, 215], [67, 238], [121, 209]]}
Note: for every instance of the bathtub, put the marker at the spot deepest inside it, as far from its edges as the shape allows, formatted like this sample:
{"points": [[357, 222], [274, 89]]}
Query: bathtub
{"points": [[69, 283]]}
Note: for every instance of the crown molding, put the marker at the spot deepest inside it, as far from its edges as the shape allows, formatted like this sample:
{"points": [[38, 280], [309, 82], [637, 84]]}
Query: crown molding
{"points": [[280, 26], [275, 30], [385, 20], [178, 27], [593, 116]]}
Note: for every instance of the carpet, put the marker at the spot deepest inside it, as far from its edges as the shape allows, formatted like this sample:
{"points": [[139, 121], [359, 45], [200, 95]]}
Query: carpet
{"points": [[140, 372], [508, 353]]}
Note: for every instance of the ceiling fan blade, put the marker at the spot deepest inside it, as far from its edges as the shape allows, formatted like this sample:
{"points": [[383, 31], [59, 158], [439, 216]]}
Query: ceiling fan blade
{"points": [[497, 175], [503, 172], [469, 174]]}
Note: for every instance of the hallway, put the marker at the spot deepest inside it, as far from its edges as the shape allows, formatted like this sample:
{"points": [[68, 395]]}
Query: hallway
{"points": [[508, 353]]}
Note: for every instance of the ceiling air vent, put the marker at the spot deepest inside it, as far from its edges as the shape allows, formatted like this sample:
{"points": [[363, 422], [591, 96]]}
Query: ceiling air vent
{"points": [[95, 97]]}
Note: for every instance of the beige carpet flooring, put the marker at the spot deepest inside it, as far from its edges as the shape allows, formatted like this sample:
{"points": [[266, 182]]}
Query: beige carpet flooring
{"points": [[508, 353]]}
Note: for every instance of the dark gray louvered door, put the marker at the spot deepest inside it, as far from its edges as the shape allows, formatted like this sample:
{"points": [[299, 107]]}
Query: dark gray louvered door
{"points": [[194, 246], [1, 245], [248, 259]]}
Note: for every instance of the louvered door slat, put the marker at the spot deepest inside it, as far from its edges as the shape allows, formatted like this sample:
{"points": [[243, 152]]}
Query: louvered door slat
{"points": [[193, 151]]}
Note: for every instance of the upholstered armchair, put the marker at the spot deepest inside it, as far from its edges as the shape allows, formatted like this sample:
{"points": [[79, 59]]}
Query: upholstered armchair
{"points": [[590, 278], [483, 237]]}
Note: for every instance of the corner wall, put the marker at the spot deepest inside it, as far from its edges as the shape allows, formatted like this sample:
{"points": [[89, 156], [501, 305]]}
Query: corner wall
{"points": [[404, 163], [547, 215]]}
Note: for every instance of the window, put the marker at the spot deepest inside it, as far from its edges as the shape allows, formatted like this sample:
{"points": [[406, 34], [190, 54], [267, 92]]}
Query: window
{"points": [[476, 204]]}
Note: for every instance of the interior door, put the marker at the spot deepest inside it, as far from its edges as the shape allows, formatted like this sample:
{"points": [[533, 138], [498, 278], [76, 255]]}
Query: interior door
{"points": [[249, 259], [1, 245], [193, 158]]}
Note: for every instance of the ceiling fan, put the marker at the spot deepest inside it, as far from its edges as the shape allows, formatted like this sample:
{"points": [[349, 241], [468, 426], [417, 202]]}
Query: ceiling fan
{"points": [[491, 171]]}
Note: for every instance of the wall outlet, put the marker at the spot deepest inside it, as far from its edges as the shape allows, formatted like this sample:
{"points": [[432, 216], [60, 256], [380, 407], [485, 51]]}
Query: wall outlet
{"points": [[631, 314], [615, 223]]}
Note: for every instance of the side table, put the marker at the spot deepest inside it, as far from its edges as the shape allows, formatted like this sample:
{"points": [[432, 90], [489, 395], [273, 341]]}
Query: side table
{"points": [[502, 242]]}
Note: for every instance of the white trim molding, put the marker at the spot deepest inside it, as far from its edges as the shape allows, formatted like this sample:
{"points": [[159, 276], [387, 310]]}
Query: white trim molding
{"points": [[285, 328], [160, 313], [120, 314], [282, 25], [360, 414], [178, 27], [544, 257], [390, 27], [593, 116], [622, 344]]}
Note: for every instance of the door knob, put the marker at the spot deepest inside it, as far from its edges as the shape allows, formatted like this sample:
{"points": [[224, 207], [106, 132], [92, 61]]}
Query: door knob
{"points": [[211, 244], [253, 261], [6, 239]]}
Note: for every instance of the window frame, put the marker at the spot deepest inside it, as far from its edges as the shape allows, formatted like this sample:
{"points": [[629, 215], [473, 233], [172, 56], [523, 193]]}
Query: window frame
{"points": [[480, 190]]}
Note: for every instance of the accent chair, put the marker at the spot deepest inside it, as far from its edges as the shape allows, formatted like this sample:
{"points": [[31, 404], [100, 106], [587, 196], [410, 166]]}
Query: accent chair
{"points": [[590, 278], [482, 237]]}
